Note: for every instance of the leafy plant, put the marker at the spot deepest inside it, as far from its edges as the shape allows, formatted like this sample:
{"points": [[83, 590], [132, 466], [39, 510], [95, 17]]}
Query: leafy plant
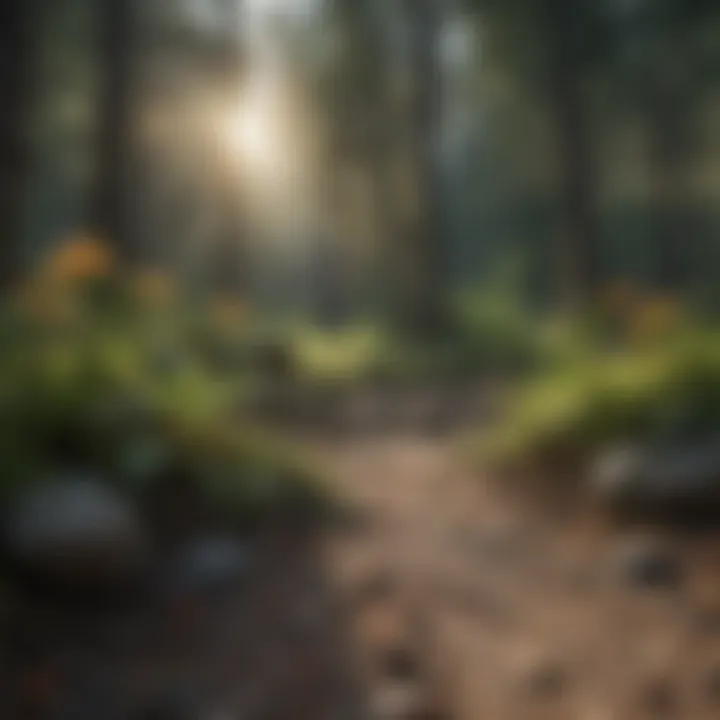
{"points": [[98, 371], [661, 393]]}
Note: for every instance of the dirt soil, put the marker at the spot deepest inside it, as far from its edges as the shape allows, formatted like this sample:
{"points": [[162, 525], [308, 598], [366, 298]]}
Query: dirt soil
{"points": [[517, 612], [434, 597]]}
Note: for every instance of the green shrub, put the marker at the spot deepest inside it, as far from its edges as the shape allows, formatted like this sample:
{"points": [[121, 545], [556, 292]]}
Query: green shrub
{"points": [[490, 334], [93, 378], [661, 394], [494, 332]]}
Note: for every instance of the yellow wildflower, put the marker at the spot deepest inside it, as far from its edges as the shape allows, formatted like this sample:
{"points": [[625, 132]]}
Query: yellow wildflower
{"points": [[78, 259]]}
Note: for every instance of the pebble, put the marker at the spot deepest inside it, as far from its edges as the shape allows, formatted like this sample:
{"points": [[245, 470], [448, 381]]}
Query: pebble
{"points": [[660, 697], [401, 664], [647, 564]]}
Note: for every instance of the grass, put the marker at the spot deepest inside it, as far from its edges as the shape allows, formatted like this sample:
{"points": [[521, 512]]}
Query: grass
{"points": [[661, 393]]}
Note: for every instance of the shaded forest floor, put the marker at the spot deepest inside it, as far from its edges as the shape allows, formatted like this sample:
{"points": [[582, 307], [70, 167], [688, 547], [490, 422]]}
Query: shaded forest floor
{"points": [[435, 596]]}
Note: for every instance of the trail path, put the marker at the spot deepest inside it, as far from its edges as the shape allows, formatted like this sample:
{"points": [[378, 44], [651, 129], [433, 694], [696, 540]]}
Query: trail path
{"points": [[511, 613], [435, 598]]}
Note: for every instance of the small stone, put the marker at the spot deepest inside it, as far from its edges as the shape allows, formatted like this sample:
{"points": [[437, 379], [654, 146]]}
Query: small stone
{"points": [[547, 679], [540, 674], [401, 664], [210, 565], [660, 697], [647, 564]]}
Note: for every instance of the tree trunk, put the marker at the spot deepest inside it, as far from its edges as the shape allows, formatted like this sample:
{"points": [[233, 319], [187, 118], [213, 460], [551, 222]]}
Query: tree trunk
{"points": [[670, 136], [16, 82], [114, 129], [580, 232], [422, 272]]}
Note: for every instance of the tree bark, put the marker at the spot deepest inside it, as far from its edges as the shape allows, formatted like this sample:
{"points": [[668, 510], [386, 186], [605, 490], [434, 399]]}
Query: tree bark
{"points": [[670, 132], [580, 232], [116, 20], [422, 274], [16, 83]]}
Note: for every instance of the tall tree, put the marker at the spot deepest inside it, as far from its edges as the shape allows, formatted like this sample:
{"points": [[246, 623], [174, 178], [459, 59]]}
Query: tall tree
{"points": [[563, 25], [383, 126], [116, 34], [553, 48], [422, 311], [666, 75], [17, 19], [359, 124]]}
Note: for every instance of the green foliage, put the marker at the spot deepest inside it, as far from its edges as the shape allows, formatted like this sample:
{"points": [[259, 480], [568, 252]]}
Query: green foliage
{"points": [[495, 332], [95, 379], [658, 394], [492, 332], [346, 356]]}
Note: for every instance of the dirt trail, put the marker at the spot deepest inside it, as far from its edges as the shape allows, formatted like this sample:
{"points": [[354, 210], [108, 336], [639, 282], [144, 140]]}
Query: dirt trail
{"points": [[435, 598], [508, 613]]}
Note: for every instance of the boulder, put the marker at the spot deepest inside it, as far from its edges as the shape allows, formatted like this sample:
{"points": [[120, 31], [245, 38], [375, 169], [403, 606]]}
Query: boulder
{"points": [[75, 531], [673, 483]]}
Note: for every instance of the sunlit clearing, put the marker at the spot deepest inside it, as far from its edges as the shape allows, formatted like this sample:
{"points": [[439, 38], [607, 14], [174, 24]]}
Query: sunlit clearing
{"points": [[270, 147], [263, 136], [256, 137]]}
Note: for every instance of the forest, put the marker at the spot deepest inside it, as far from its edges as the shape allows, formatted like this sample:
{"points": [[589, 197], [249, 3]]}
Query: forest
{"points": [[359, 359]]}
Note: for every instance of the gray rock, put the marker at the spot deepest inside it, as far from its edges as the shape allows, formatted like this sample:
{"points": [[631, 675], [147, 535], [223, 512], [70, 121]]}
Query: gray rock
{"points": [[674, 482], [209, 565], [646, 563], [76, 530], [617, 469]]}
